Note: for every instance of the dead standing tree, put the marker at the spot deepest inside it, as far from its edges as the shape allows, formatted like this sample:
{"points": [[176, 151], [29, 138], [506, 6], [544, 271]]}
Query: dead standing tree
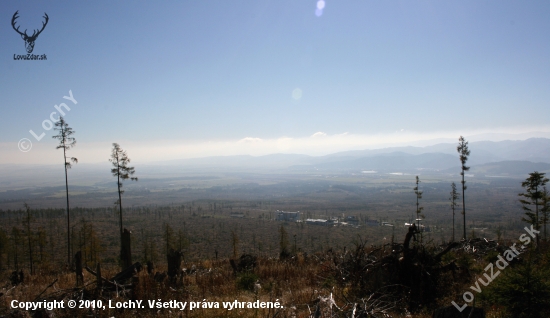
{"points": [[66, 142], [29, 236], [453, 198], [174, 263], [122, 171], [463, 152], [126, 250], [418, 207], [78, 268]]}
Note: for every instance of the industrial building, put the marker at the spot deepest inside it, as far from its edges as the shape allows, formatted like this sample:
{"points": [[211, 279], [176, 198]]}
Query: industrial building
{"points": [[287, 216]]}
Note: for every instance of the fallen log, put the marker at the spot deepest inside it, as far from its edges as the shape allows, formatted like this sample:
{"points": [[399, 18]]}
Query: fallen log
{"points": [[105, 280], [50, 285], [449, 247], [127, 273]]}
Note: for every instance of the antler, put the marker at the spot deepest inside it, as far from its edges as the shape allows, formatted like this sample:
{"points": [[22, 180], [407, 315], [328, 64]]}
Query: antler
{"points": [[15, 16], [35, 34], [43, 26]]}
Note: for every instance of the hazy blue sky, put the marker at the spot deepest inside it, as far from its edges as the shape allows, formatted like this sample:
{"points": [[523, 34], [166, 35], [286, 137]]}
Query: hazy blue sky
{"points": [[182, 79]]}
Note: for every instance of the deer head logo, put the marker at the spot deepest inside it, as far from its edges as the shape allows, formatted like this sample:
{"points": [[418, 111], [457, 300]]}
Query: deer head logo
{"points": [[29, 40]]}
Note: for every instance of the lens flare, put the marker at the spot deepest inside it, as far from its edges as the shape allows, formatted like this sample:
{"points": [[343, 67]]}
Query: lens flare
{"points": [[320, 7], [297, 93], [320, 4]]}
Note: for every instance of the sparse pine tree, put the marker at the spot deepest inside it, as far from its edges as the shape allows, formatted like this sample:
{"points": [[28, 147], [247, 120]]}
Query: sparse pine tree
{"points": [[4, 242], [16, 241], [122, 171], [41, 241], [523, 290], [283, 243], [499, 233], [66, 142], [145, 250], [463, 153], [182, 240], [168, 237], [235, 243], [90, 243], [148, 247], [453, 198], [27, 222], [533, 195], [53, 229], [545, 208], [418, 207]]}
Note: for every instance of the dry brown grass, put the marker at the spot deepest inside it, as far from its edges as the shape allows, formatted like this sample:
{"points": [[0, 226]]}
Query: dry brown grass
{"points": [[297, 284]]}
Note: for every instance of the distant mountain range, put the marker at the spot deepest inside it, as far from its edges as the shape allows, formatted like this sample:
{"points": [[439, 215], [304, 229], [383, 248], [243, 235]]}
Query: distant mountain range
{"points": [[510, 157], [533, 149]]}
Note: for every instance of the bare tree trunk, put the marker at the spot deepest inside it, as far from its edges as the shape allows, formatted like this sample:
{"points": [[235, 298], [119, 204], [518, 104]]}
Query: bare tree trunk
{"points": [[126, 252], [29, 238], [99, 283], [463, 205], [78, 269], [453, 224], [174, 263], [68, 213], [120, 209]]}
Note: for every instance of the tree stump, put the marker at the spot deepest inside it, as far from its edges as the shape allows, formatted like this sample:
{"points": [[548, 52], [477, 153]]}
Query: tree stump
{"points": [[78, 268], [150, 267], [247, 263], [99, 282], [16, 277], [174, 263]]}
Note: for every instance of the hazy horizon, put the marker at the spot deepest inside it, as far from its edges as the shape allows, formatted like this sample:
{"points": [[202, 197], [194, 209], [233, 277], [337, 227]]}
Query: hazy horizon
{"points": [[316, 146], [176, 80]]}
